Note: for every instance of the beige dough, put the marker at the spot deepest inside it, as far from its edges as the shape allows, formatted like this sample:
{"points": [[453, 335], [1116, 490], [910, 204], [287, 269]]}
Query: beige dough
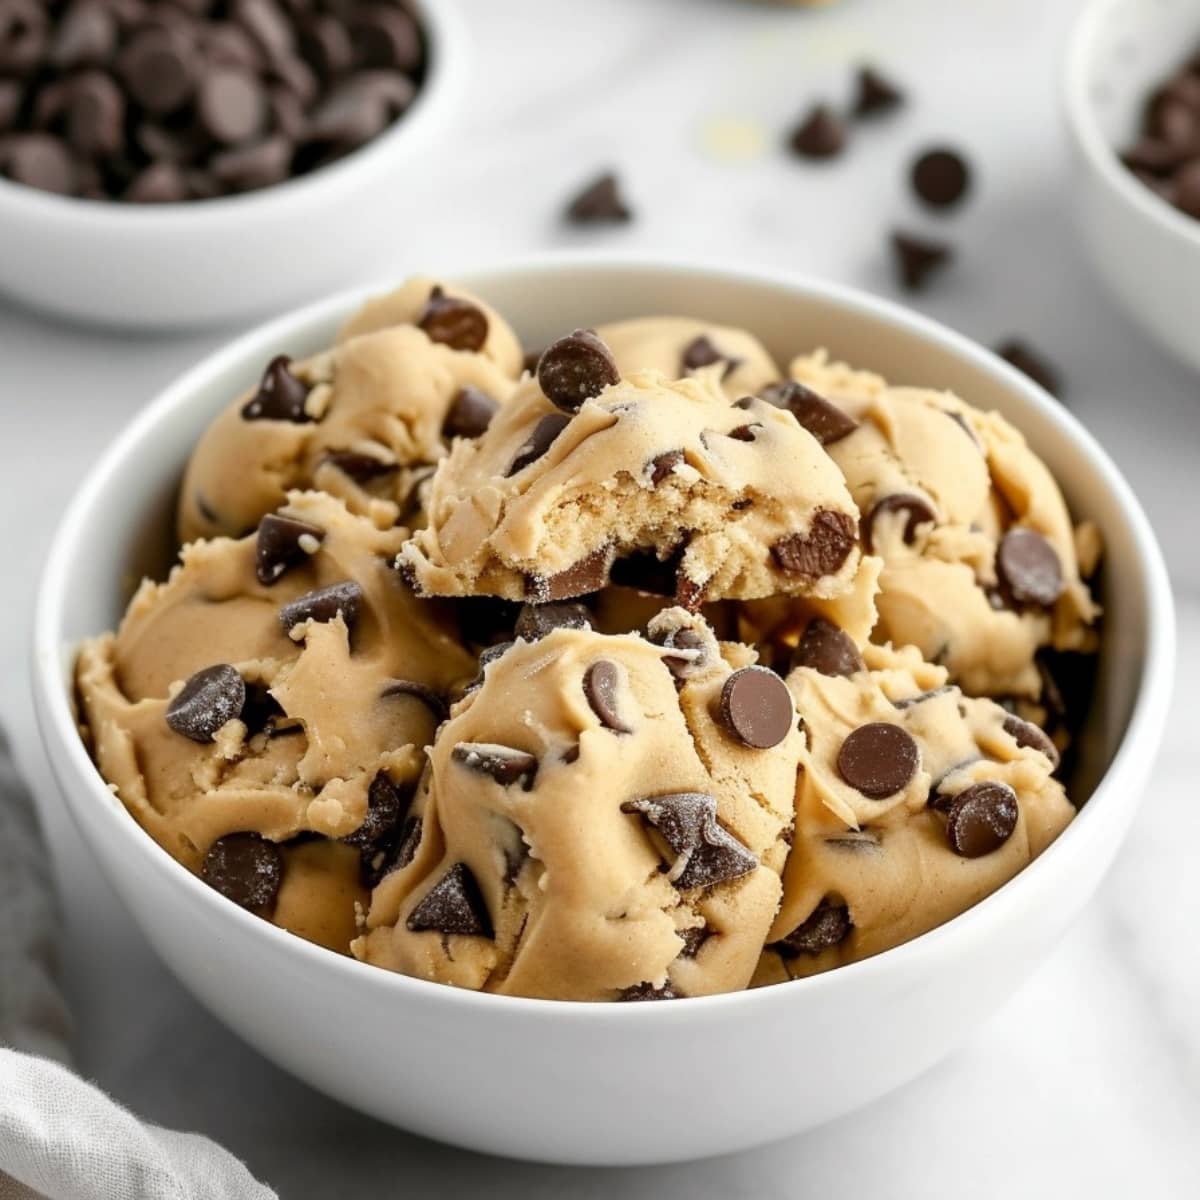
{"points": [[576, 890]]}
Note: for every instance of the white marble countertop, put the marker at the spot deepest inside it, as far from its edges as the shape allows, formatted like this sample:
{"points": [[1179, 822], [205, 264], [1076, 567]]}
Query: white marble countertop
{"points": [[1088, 1080]]}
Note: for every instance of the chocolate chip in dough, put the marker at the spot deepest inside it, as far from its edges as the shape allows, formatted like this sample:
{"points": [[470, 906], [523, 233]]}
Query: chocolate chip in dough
{"points": [[360, 466], [981, 819], [284, 542], [825, 421], [917, 258], [876, 93], [756, 707], [470, 413], [662, 466], [280, 396], [693, 939], [1029, 568], [821, 134], [822, 550], [576, 368], [583, 578], [453, 905], [453, 322], [244, 868], [504, 764], [418, 691], [1028, 361], [941, 177], [208, 700], [827, 649], [646, 991], [917, 511], [535, 621], [324, 605], [688, 652], [599, 203], [544, 435], [386, 807], [878, 760], [700, 352], [1029, 736], [828, 926], [601, 683]]}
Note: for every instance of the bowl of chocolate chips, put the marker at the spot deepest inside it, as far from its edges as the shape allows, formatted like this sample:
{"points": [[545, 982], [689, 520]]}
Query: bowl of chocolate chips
{"points": [[174, 163]]}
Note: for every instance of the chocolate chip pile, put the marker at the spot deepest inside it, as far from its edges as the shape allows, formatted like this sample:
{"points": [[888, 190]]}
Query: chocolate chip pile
{"points": [[159, 102]]}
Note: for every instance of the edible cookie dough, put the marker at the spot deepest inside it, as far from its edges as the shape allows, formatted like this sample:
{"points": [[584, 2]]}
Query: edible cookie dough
{"points": [[363, 421], [259, 693], [661, 485], [982, 566], [915, 802], [604, 818]]}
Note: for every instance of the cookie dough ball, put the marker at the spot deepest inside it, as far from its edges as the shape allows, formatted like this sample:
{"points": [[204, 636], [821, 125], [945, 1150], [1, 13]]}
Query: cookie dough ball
{"points": [[274, 688], [665, 487], [676, 347], [604, 818], [363, 421], [915, 802], [982, 566]]}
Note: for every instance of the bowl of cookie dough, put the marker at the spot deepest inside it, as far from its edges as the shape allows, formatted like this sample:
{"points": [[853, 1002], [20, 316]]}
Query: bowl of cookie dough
{"points": [[698, 668]]}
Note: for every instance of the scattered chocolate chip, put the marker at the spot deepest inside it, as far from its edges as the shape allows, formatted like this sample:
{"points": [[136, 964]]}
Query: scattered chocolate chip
{"points": [[981, 819], [544, 435], [453, 322], [917, 511], [822, 550], [1031, 363], [876, 93], [756, 707], [535, 621], [386, 806], [244, 868], [570, 754], [471, 412], [280, 396], [323, 605], [576, 368], [878, 760], [663, 465], [502, 763], [359, 466], [827, 649], [917, 258], [206, 702], [283, 542], [706, 852], [825, 421], [700, 353], [1029, 568], [693, 939], [453, 905], [940, 178], [600, 685], [599, 203], [821, 134], [646, 991], [588, 575], [828, 926], [418, 691], [1028, 736]]}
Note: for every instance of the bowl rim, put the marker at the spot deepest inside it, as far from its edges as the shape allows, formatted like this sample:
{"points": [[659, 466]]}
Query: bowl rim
{"points": [[445, 31], [1082, 122], [61, 741]]}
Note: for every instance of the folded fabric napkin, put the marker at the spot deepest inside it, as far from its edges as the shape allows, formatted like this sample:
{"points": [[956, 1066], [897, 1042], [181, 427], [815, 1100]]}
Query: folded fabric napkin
{"points": [[60, 1137]]}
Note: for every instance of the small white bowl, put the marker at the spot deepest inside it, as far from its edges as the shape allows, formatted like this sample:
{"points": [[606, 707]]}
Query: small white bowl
{"points": [[595, 1083], [213, 262], [1146, 251]]}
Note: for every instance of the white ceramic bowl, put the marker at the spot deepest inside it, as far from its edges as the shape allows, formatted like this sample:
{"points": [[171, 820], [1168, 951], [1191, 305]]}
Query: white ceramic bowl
{"points": [[1146, 251], [591, 1083], [172, 266]]}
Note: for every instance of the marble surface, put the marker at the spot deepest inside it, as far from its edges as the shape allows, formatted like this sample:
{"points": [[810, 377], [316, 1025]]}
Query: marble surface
{"points": [[1089, 1079]]}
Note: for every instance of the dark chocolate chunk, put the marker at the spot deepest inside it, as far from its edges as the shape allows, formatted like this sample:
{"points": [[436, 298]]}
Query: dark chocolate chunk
{"points": [[600, 685], [280, 395], [663, 465], [981, 819], [588, 575], [917, 511], [262, 713], [1029, 736], [359, 466], [535, 621], [878, 760], [917, 258], [386, 807], [822, 550], [700, 352], [827, 649], [940, 177], [453, 322], [825, 421], [821, 134], [208, 700], [693, 939], [688, 652], [921, 697], [470, 413], [453, 905], [1028, 361], [599, 203], [284, 542], [744, 433], [876, 93], [828, 926], [706, 852], [418, 691], [544, 435], [756, 707], [504, 764], [244, 868], [576, 368], [324, 605], [647, 991], [1029, 568]]}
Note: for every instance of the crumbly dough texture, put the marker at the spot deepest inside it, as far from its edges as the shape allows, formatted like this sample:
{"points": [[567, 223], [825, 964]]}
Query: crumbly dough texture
{"points": [[732, 483], [383, 391], [577, 890]]}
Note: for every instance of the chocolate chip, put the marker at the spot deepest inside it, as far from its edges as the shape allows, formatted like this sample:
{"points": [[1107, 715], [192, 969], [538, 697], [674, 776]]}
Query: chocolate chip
{"points": [[324, 605], [325, 43], [917, 258], [825, 421], [95, 115], [231, 106], [1029, 568], [419, 691], [22, 36], [537, 620], [876, 93], [916, 510], [828, 926], [386, 36], [502, 763], [471, 412], [1031, 363], [159, 183], [228, 45], [646, 991], [410, 839], [544, 435], [453, 905], [693, 939], [744, 433], [756, 707], [210, 698], [588, 575], [827, 649], [599, 203], [644, 571], [244, 868], [821, 134], [700, 353], [921, 697], [485, 658], [689, 652], [453, 322], [878, 760], [601, 683], [359, 466], [663, 465], [157, 70], [576, 368], [283, 542], [280, 396], [266, 24], [1028, 736], [706, 852], [822, 550], [41, 161], [855, 841], [940, 177], [981, 819], [386, 806]]}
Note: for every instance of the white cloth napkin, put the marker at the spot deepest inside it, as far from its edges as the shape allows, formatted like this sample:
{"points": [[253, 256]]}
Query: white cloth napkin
{"points": [[61, 1138]]}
